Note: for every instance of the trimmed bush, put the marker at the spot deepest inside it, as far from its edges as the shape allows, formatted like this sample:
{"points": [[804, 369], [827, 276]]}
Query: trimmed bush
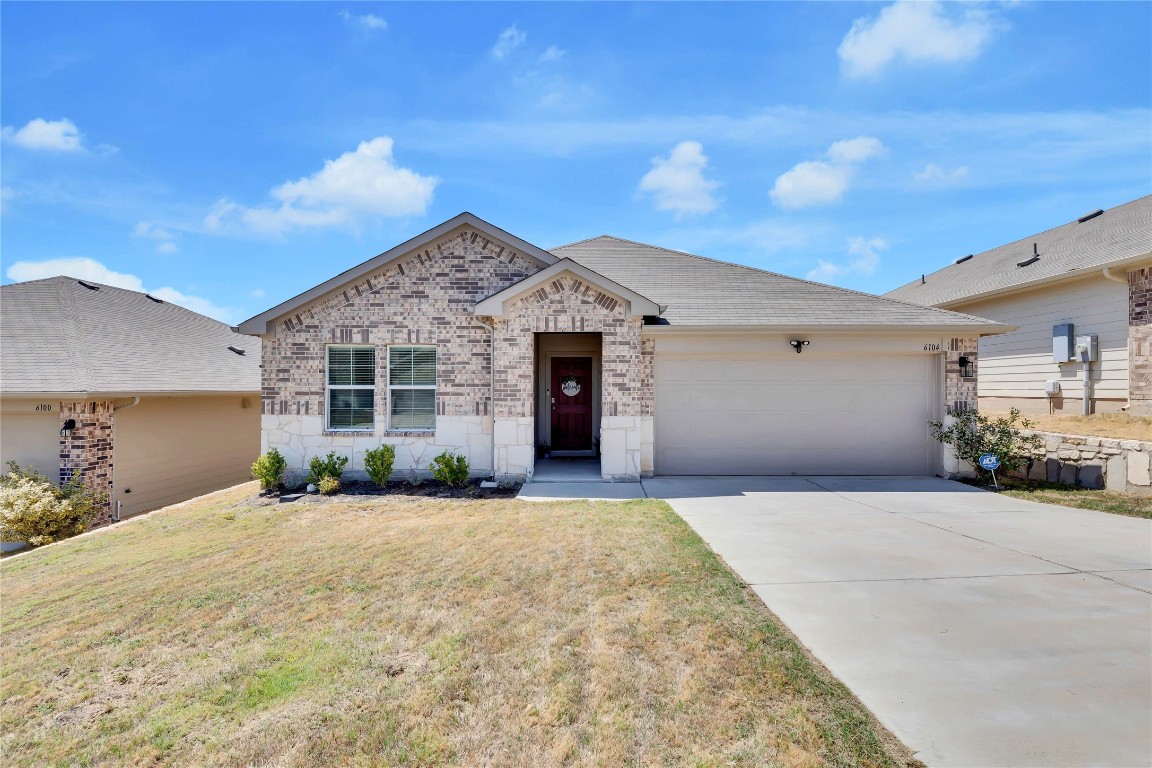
{"points": [[328, 485], [974, 434], [378, 464], [269, 470], [34, 510], [450, 469], [331, 465]]}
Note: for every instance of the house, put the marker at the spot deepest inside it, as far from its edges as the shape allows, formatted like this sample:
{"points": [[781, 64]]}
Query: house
{"points": [[149, 402], [1089, 278], [468, 339]]}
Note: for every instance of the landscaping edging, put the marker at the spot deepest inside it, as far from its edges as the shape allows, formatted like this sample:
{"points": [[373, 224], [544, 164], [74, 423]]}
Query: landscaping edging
{"points": [[1092, 462]]}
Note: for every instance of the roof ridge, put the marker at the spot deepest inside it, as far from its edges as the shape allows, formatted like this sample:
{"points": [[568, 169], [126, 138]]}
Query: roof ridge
{"points": [[68, 315], [776, 274]]}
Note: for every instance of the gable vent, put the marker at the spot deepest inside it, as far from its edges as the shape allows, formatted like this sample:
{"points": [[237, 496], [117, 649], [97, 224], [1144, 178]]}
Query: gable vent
{"points": [[963, 259], [237, 350], [89, 286], [1089, 216], [153, 298]]}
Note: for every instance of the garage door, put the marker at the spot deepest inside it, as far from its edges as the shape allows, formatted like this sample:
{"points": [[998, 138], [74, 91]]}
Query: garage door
{"points": [[794, 414]]}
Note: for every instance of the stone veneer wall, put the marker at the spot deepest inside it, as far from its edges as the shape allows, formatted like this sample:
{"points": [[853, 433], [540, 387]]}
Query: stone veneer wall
{"points": [[1092, 462], [567, 304], [1140, 340], [426, 298], [87, 451]]}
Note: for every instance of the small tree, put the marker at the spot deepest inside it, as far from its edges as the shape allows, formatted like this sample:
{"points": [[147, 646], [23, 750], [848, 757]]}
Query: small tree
{"points": [[331, 465], [34, 510], [450, 469], [378, 463], [269, 470], [974, 434]]}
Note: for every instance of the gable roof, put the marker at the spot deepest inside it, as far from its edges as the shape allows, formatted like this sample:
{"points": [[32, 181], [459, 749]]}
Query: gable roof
{"points": [[259, 323], [704, 292], [59, 337], [1116, 237], [638, 305]]}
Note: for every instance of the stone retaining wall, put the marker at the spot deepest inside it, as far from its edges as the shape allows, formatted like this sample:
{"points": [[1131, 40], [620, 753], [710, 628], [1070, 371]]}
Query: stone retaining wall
{"points": [[1092, 462]]}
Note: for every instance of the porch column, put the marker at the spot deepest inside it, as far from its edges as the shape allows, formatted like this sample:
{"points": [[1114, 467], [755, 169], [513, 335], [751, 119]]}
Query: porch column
{"points": [[513, 426], [87, 451]]}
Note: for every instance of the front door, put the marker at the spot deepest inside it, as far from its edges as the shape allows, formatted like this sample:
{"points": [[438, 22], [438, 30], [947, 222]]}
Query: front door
{"points": [[571, 395]]}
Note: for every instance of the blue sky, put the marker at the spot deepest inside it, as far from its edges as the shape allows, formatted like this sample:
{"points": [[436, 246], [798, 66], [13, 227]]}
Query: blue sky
{"points": [[228, 156]]}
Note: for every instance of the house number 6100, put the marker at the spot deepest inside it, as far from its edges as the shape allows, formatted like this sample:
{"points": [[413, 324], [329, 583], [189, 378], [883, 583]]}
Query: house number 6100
{"points": [[44, 406], [930, 347]]}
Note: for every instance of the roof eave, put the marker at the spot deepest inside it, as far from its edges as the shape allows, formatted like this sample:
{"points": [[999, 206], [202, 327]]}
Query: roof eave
{"points": [[258, 325], [981, 329], [116, 394]]}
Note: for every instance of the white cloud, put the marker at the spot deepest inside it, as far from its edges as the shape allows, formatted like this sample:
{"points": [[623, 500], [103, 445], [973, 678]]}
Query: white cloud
{"points": [[363, 184], [256, 293], [935, 175], [55, 135], [677, 181], [146, 230], [865, 253], [917, 31], [94, 271], [818, 183], [553, 53], [368, 21], [509, 40]]}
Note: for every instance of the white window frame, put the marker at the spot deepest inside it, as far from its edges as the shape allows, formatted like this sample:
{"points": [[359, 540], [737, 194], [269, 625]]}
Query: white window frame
{"points": [[398, 387], [329, 387]]}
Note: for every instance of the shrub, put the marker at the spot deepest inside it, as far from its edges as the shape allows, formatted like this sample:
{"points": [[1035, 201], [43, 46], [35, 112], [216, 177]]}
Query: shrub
{"points": [[328, 485], [269, 470], [974, 434], [378, 464], [331, 465], [34, 510], [450, 469]]}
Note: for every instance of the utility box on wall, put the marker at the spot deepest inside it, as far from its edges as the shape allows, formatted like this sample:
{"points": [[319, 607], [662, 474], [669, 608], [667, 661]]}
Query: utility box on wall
{"points": [[1087, 348], [1063, 343]]}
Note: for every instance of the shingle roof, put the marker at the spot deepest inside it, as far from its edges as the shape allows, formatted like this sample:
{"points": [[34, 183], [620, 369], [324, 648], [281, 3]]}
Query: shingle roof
{"points": [[1119, 234], [705, 292], [56, 336]]}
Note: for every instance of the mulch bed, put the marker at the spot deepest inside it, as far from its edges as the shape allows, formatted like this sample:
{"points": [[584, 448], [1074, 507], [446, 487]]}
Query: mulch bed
{"points": [[426, 489]]}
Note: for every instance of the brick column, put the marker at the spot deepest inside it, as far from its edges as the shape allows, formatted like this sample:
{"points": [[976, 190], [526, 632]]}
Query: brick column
{"points": [[1140, 340], [87, 451], [960, 393]]}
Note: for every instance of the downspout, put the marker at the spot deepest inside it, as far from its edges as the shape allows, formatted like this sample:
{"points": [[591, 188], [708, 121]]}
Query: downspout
{"points": [[491, 385], [1107, 272], [115, 409]]}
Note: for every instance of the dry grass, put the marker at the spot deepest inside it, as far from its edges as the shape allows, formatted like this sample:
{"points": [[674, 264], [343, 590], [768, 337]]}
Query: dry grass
{"points": [[1129, 504], [408, 632], [1120, 425]]}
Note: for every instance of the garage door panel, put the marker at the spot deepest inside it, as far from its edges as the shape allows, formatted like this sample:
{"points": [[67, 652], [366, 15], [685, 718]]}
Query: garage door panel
{"points": [[771, 415]]}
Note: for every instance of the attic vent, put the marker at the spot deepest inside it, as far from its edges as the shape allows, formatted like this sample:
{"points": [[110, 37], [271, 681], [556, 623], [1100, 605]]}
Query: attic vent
{"points": [[237, 350], [1035, 257], [153, 298], [963, 259], [1089, 216], [89, 286]]}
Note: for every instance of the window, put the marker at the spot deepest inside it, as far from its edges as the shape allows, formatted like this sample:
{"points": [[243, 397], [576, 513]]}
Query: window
{"points": [[411, 387], [351, 387]]}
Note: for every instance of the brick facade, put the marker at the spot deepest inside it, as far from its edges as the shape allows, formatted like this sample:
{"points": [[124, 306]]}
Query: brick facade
{"points": [[960, 391], [87, 451], [1140, 340]]}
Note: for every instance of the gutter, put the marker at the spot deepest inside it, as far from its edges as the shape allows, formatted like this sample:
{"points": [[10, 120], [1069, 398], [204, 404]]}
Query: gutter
{"points": [[1107, 272], [986, 329]]}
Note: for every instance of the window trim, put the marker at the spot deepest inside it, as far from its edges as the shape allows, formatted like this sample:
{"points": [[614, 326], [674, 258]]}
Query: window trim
{"points": [[391, 387], [329, 387]]}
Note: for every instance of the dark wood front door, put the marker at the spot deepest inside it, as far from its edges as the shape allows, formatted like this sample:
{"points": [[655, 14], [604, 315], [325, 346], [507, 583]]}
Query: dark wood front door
{"points": [[571, 395]]}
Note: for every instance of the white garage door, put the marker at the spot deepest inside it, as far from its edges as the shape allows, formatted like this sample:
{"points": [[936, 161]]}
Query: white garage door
{"points": [[794, 414]]}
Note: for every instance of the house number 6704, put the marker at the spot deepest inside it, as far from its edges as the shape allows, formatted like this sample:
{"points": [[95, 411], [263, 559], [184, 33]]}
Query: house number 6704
{"points": [[930, 347]]}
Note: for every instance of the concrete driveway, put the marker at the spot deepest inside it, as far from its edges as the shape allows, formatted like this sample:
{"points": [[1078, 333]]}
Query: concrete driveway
{"points": [[982, 630]]}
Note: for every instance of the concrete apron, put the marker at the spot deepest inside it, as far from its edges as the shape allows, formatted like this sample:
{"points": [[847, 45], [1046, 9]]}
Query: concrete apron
{"points": [[982, 630]]}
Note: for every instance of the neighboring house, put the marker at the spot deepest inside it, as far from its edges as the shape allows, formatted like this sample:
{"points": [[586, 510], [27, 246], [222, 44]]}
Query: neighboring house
{"points": [[148, 402], [1094, 273], [468, 339]]}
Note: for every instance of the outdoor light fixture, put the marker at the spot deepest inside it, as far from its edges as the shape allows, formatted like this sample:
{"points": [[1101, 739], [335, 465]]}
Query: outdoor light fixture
{"points": [[66, 430], [798, 345], [965, 366]]}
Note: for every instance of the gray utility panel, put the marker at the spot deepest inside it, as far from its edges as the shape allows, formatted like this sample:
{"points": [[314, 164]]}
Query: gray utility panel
{"points": [[1063, 343]]}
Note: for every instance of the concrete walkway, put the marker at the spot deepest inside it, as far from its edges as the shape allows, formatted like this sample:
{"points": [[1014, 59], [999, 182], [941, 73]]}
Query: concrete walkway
{"points": [[982, 630]]}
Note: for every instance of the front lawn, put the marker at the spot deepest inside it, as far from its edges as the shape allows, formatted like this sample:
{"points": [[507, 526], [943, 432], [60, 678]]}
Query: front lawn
{"points": [[408, 631], [1083, 498]]}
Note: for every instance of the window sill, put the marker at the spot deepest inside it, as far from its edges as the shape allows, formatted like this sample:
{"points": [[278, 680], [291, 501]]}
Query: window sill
{"points": [[410, 432], [349, 432]]}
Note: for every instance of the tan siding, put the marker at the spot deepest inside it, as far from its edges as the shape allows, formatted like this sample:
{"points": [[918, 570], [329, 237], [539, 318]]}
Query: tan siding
{"points": [[31, 437], [1016, 365], [169, 449]]}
